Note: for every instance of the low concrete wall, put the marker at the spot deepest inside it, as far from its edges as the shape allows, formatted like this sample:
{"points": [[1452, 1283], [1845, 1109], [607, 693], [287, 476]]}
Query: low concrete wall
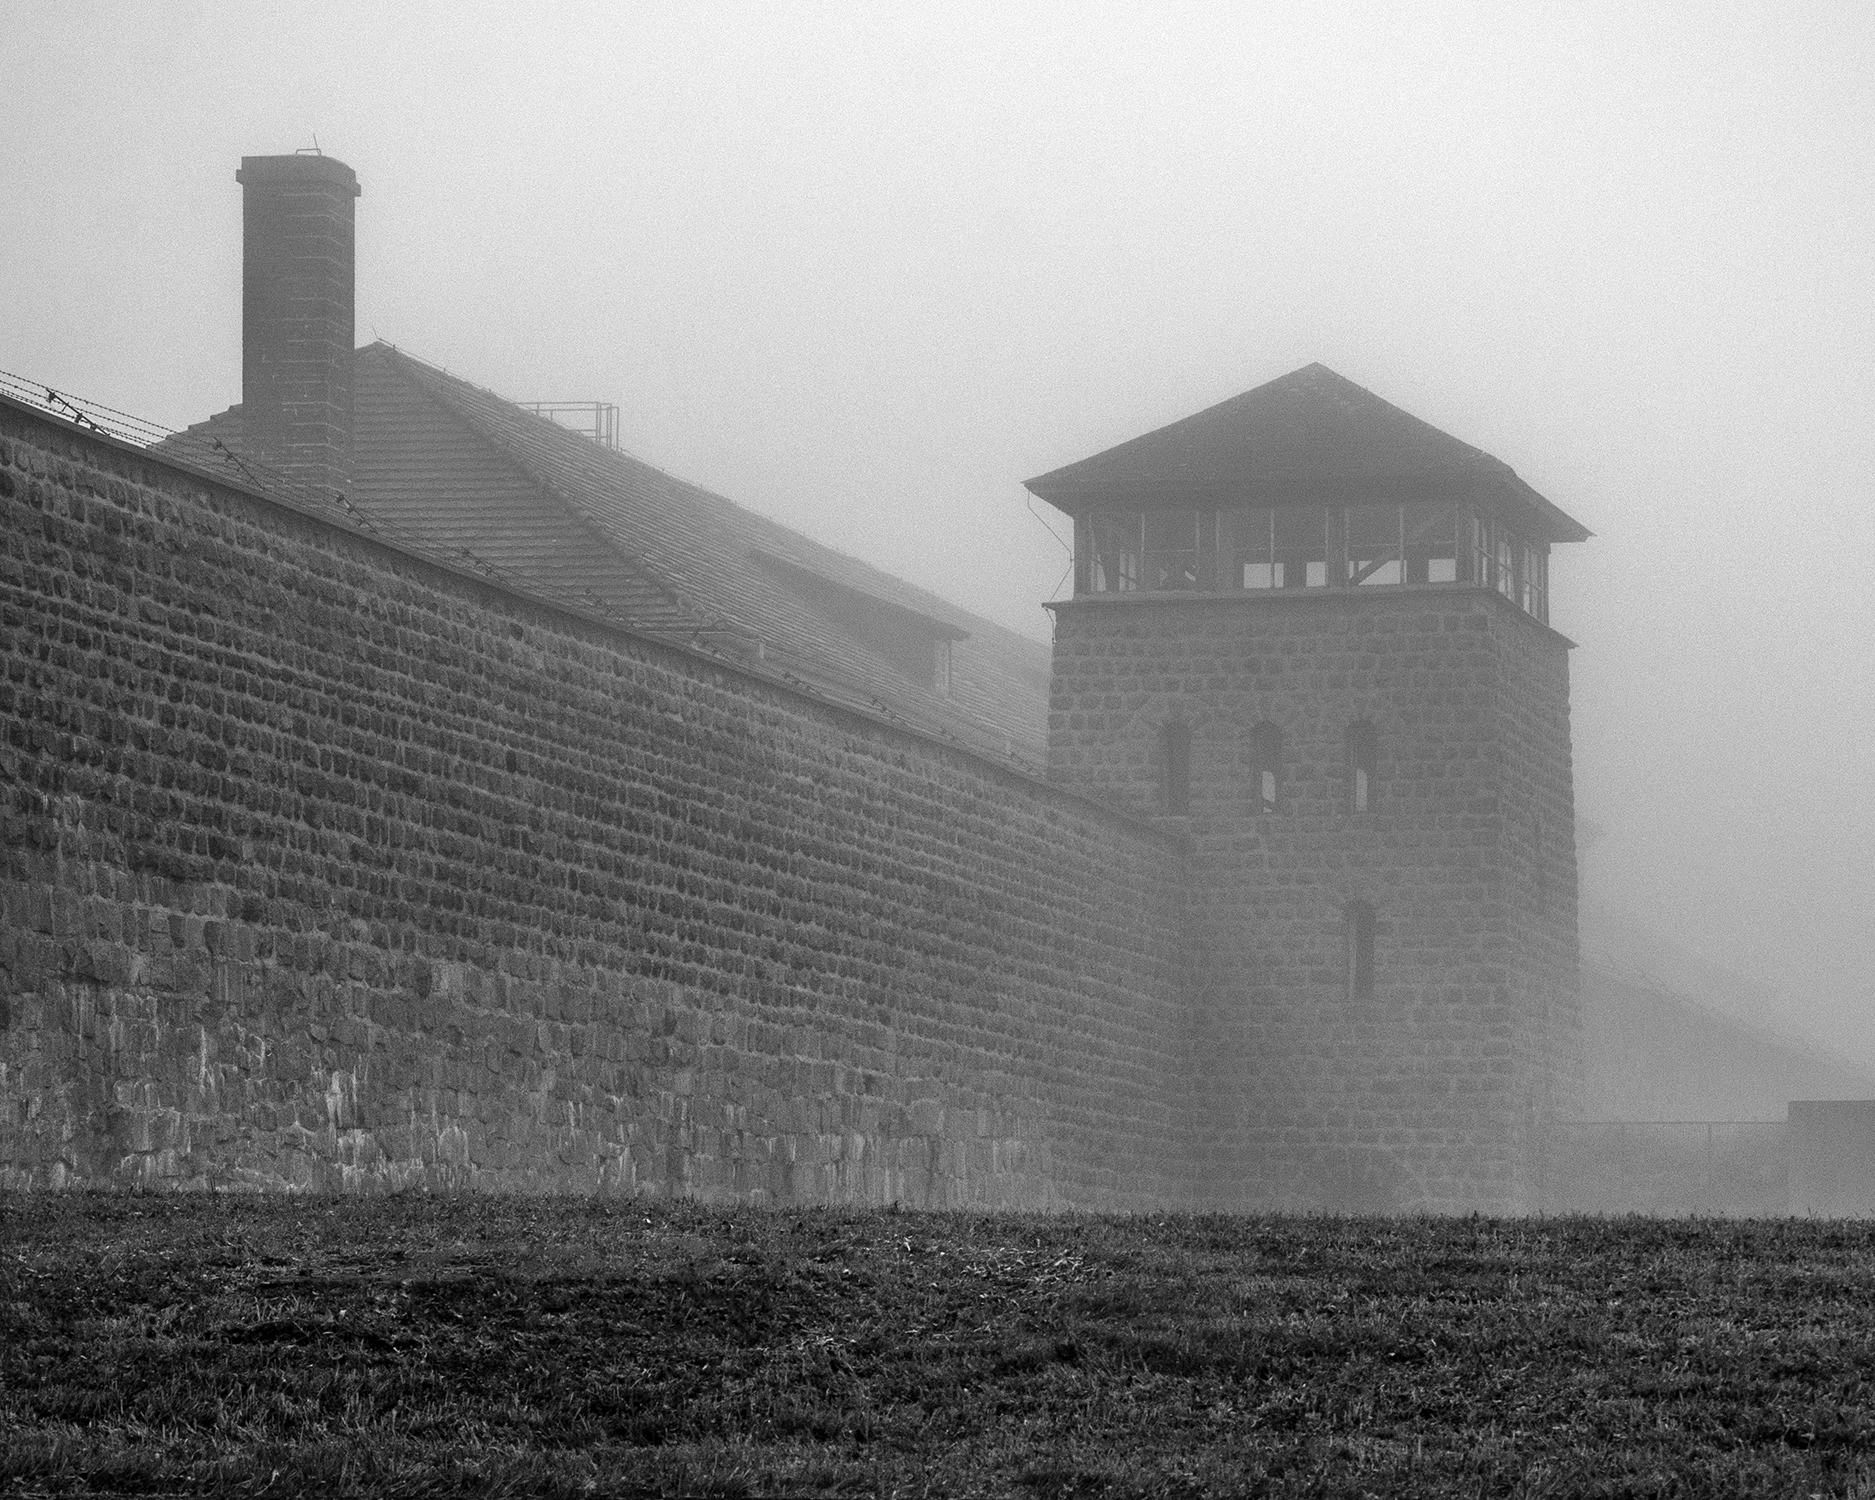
{"points": [[1832, 1157], [1670, 1168]]}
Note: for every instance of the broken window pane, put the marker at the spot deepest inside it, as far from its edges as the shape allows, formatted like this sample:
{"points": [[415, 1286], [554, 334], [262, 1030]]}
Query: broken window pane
{"points": [[1171, 549]]}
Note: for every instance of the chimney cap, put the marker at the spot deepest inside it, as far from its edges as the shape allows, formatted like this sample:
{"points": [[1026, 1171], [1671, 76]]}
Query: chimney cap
{"points": [[295, 171]]}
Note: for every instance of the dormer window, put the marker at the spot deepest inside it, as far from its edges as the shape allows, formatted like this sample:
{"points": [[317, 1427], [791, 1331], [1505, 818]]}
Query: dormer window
{"points": [[915, 644]]}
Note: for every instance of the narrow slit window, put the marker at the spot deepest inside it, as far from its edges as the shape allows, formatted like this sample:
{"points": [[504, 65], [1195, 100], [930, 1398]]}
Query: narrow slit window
{"points": [[1175, 758], [1363, 754], [1358, 926], [1266, 766]]}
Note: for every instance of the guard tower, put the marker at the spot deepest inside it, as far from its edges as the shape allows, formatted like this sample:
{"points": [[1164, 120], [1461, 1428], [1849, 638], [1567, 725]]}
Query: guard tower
{"points": [[1311, 632]]}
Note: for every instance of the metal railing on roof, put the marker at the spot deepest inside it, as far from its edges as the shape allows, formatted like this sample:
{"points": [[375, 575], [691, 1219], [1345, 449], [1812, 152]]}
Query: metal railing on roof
{"points": [[597, 420]]}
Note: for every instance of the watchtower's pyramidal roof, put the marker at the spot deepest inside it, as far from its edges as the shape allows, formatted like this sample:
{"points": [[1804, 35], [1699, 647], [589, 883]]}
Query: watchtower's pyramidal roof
{"points": [[1306, 437]]}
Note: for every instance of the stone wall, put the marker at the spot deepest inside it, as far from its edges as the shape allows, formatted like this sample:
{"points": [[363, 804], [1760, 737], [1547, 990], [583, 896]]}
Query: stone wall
{"points": [[1421, 1094], [327, 867]]}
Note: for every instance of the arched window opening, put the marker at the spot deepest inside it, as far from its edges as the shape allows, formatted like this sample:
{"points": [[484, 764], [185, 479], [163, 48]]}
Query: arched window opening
{"points": [[1358, 925], [1266, 766], [1175, 762], [1363, 755]]}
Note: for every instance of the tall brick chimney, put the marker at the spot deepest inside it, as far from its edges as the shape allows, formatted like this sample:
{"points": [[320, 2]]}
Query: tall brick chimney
{"points": [[296, 316]]}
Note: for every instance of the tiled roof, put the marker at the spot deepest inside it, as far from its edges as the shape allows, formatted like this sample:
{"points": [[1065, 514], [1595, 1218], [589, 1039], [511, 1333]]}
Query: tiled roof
{"points": [[453, 472], [1308, 435]]}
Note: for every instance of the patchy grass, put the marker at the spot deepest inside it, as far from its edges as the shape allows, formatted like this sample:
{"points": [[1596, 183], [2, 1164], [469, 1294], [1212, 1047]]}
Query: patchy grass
{"points": [[425, 1346]]}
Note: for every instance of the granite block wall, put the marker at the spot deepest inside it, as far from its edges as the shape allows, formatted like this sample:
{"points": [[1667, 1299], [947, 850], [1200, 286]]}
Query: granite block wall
{"points": [[1426, 1093], [328, 868]]}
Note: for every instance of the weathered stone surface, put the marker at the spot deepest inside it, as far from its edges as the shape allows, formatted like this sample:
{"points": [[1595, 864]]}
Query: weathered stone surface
{"points": [[1431, 1092], [325, 868]]}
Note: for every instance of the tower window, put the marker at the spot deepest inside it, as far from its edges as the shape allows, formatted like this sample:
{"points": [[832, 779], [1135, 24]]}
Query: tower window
{"points": [[1374, 543], [1301, 537], [1281, 548], [1154, 551], [1116, 552], [1363, 755], [1431, 533], [1175, 760], [1357, 924], [1534, 582], [1483, 569], [1171, 549], [1266, 765]]}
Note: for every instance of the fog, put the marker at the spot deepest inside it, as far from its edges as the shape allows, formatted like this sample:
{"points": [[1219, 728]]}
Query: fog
{"points": [[866, 268]]}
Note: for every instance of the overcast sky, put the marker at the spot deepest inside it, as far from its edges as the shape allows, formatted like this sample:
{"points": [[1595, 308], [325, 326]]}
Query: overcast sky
{"points": [[865, 268]]}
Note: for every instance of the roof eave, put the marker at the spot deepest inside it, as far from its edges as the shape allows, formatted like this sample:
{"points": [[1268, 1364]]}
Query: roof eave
{"points": [[1078, 497]]}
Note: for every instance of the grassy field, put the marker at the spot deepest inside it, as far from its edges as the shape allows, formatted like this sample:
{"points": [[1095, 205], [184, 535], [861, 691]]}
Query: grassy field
{"points": [[424, 1346]]}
